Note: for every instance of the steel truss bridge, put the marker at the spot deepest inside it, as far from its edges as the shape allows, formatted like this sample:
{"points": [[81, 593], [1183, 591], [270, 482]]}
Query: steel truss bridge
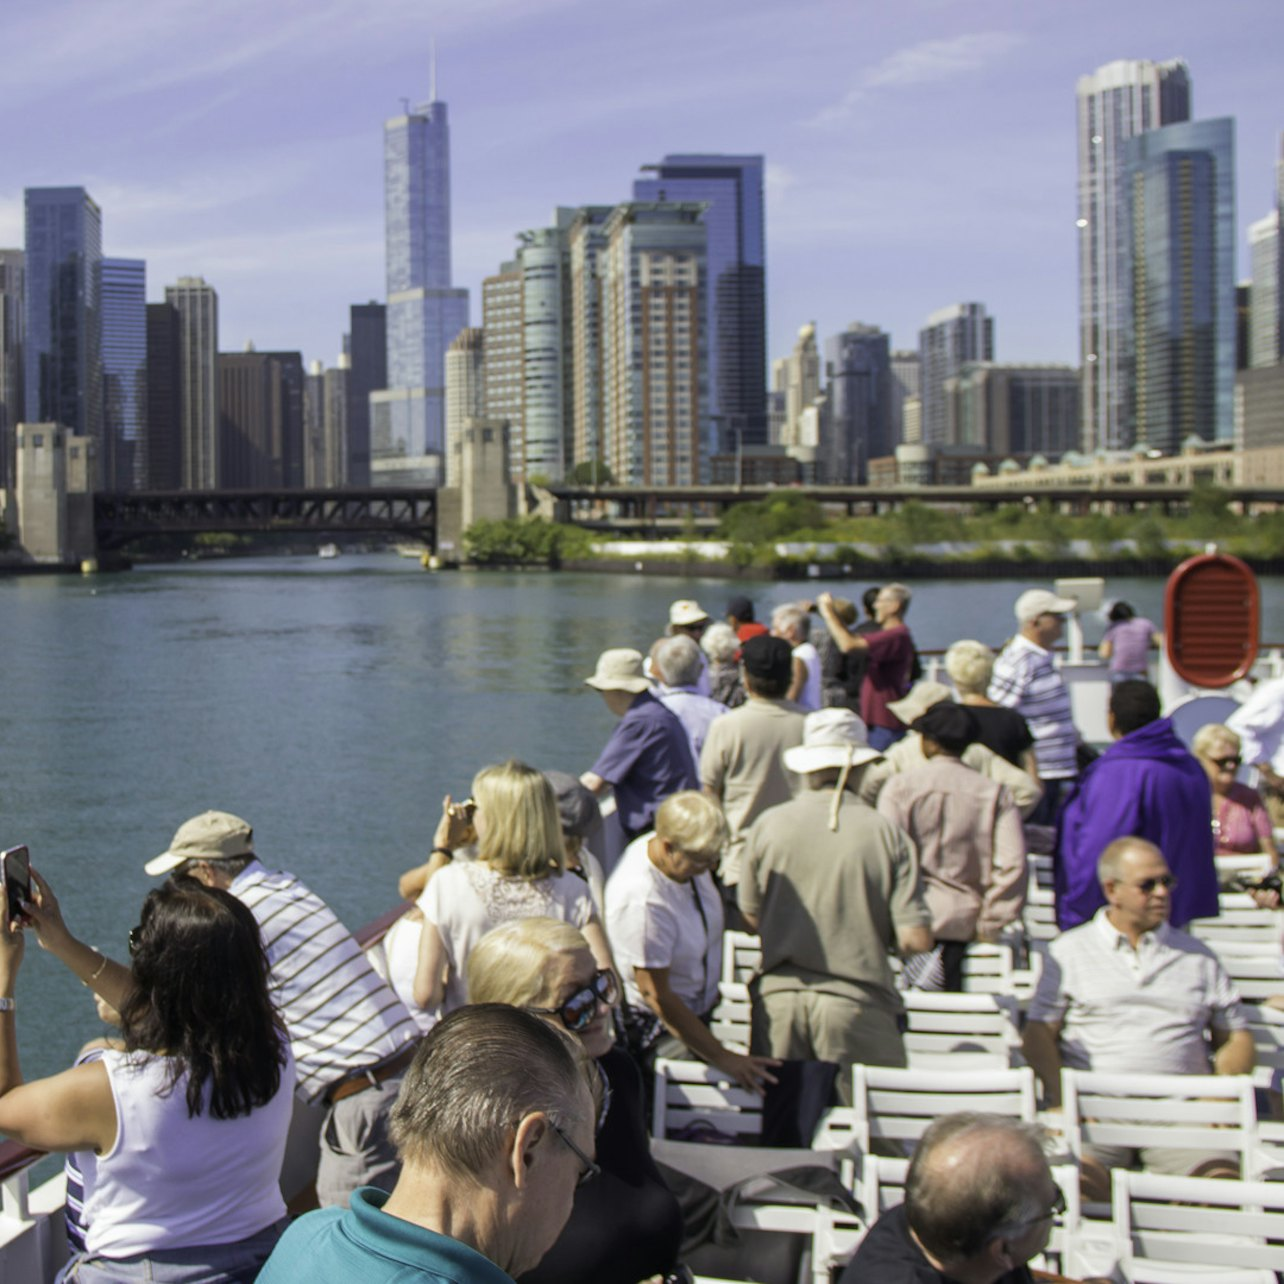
{"points": [[408, 512]]}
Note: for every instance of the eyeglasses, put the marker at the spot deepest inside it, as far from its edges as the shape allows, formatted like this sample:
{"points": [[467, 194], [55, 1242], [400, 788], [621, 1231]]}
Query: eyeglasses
{"points": [[590, 1169], [1227, 764], [1056, 1209], [578, 1011], [1148, 885]]}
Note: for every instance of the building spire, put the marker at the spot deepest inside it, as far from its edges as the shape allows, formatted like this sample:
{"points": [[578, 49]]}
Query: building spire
{"points": [[432, 73]]}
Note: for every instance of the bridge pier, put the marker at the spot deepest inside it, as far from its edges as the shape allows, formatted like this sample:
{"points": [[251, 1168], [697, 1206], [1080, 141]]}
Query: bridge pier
{"points": [[53, 495]]}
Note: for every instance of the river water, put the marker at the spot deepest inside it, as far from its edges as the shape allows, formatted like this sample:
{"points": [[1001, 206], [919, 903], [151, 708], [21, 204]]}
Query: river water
{"points": [[330, 703]]}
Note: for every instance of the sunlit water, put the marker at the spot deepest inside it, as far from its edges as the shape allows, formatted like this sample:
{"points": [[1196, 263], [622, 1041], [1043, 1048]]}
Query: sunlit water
{"points": [[330, 703]]}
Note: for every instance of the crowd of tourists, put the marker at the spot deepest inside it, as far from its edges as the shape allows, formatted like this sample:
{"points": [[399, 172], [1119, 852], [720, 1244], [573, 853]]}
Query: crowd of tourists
{"points": [[443, 1102]]}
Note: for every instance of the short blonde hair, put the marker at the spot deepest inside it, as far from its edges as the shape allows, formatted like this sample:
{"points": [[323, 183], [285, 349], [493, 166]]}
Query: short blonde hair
{"points": [[969, 663], [508, 964], [693, 823], [1210, 734], [523, 837]]}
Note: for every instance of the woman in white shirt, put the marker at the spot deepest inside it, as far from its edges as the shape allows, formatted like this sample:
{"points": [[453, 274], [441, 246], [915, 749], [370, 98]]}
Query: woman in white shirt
{"points": [[519, 873], [180, 1135]]}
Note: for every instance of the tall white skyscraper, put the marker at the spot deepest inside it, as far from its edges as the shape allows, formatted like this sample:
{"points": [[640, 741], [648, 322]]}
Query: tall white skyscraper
{"points": [[1116, 103], [408, 420], [952, 337], [197, 306]]}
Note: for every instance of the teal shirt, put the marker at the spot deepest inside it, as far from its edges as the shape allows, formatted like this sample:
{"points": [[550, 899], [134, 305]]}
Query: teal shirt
{"points": [[337, 1245]]}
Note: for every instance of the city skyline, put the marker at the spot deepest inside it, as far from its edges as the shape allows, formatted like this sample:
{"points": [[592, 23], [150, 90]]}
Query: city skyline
{"points": [[914, 159]]}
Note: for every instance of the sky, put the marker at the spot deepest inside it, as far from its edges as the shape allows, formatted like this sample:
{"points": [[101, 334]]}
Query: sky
{"points": [[919, 152]]}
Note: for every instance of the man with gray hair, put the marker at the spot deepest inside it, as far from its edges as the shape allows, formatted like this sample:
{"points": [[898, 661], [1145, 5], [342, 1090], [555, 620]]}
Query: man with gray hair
{"points": [[979, 1203], [678, 664], [494, 1126]]}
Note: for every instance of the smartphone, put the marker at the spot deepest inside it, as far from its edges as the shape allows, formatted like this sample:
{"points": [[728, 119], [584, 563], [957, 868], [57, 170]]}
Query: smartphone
{"points": [[15, 874]]}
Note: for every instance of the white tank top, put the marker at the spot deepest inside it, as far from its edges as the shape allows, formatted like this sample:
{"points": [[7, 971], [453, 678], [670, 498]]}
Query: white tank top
{"points": [[171, 1181]]}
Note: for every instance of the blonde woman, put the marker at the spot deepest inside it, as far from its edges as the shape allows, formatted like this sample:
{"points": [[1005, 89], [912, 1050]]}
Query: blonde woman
{"points": [[1241, 823], [1001, 730], [626, 1225], [518, 873]]}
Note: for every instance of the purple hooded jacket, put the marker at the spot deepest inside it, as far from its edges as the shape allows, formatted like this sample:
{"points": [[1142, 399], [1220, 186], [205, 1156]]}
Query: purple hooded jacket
{"points": [[1149, 785]]}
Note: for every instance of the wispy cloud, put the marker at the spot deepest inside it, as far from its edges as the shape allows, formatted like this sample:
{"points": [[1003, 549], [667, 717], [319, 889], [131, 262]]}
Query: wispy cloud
{"points": [[929, 63]]}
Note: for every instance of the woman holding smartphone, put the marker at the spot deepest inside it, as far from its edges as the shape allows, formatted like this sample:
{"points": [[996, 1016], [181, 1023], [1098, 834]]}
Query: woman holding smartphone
{"points": [[180, 1134]]}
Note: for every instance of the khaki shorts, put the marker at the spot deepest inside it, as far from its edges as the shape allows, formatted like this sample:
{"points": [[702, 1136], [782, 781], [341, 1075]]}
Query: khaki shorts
{"points": [[808, 1025]]}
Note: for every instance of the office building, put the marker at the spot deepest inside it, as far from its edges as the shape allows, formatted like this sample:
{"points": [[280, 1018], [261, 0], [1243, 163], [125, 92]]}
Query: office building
{"points": [[858, 379], [63, 253], [1015, 409], [13, 322], [122, 454], [424, 312], [1266, 302], [465, 395], [736, 298], [163, 451], [336, 449], [260, 396], [797, 378], [1116, 103], [587, 251], [314, 457], [197, 306], [653, 344], [1181, 209], [502, 358], [367, 348], [905, 383], [952, 337]]}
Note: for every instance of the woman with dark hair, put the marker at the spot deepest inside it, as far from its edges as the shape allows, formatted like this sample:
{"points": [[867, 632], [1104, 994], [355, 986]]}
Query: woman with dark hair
{"points": [[1126, 646], [179, 1134]]}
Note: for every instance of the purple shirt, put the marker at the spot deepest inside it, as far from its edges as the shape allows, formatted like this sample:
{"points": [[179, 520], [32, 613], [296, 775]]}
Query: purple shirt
{"points": [[1130, 643], [647, 758]]}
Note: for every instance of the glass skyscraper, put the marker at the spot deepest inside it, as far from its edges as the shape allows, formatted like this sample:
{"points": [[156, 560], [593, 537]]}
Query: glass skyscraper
{"points": [[408, 420], [1180, 202], [1116, 103], [63, 377], [13, 322], [736, 305], [122, 459], [859, 369]]}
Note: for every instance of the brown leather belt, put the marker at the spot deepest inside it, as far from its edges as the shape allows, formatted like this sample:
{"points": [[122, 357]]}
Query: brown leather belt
{"points": [[371, 1076]]}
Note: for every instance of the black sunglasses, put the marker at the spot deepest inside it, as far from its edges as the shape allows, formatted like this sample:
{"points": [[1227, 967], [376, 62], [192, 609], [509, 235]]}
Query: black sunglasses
{"points": [[578, 1011], [1227, 764], [1148, 885]]}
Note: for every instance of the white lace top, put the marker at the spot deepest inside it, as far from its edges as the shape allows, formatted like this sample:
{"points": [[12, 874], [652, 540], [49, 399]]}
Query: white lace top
{"points": [[467, 899]]}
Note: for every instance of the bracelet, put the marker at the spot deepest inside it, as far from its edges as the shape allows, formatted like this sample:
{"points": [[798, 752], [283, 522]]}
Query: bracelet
{"points": [[89, 980], [7, 1005], [444, 851]]}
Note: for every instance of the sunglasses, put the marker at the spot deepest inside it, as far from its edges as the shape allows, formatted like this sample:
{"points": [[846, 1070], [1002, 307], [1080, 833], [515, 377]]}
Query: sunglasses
{"points": [[1148, 885], [1227, 764], [578, 1011]]}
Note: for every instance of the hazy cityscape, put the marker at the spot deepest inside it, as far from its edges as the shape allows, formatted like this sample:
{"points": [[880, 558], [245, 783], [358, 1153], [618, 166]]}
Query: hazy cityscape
{"points": [[630, 340]]}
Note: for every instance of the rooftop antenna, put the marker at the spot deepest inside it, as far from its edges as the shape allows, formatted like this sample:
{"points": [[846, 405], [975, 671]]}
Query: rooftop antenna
{"points": [[405, 106], [432, 73]]}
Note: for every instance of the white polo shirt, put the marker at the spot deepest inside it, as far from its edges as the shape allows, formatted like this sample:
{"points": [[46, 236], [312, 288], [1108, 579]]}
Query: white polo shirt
{"points": [[1145, 1011]]}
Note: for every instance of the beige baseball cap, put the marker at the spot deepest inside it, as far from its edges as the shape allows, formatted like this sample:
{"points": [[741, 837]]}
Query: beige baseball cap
{"points": [[213, 835]]}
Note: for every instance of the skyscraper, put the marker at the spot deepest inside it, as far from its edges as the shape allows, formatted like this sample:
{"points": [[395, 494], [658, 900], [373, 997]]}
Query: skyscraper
{"points": [[408, 420], [164, 450], [587, 277], [952, 337], [314, 457], [1180, 205], [334, 422], [859, 383], [260, 398], [798, 378], [1016, 409], [63, 378], [122, 454], [1266, 306], [13, 323], [502, 357], [653, 344], [736, 296], [197, 306], [367, 372], [906, 383], [464, 394], [1115, 103]]}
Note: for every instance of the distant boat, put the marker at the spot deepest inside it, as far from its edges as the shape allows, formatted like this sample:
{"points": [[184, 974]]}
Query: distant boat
{"points": [[328, 550], [416, 551]]}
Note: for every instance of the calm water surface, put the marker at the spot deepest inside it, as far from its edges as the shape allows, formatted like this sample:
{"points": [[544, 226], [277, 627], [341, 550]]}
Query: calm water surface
{"points": [[331, 704]]}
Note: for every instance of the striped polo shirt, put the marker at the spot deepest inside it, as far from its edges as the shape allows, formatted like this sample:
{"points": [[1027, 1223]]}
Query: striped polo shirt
{"points": [[340, 1014], [1025, 679]]}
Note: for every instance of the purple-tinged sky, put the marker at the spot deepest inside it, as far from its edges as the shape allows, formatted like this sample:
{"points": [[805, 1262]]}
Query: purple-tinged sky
{"points": [[920, 152]]}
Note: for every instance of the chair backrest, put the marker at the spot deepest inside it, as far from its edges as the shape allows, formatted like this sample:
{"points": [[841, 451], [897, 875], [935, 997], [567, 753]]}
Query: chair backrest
{"points": [[1238, 920], [1186, 1111], [1039, 914], [691, 1093], [836, 1239], [1233, 1229], [1266, 1025], [1255, 969], [988, 969], [964, 1031], [730, 1021], [892, 1105], [741, 955]]}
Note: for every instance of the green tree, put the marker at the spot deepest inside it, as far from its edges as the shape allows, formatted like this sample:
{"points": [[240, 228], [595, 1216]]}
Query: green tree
{"points": [[590, 472], [767, 520]]}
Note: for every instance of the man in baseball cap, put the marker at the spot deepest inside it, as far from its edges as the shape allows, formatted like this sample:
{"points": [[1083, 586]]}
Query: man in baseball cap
{"points": [[351, 1036], [1026, 679], [648, 756]]}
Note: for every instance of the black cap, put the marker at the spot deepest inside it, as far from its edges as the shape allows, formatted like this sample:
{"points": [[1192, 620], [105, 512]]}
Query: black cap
{"points": [[740, 607], [767, 659], [951, 725]]}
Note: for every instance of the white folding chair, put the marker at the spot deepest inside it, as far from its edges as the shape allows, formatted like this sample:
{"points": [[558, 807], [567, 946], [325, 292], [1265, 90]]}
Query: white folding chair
{"points": [[836, 1239], [1039, 914], [1175, 1230], [730, 1022], [741, 955], [1201, 1112], [961, 1031], [988, 969], [1253, 967], [1239, 921], [688, 1092]]}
